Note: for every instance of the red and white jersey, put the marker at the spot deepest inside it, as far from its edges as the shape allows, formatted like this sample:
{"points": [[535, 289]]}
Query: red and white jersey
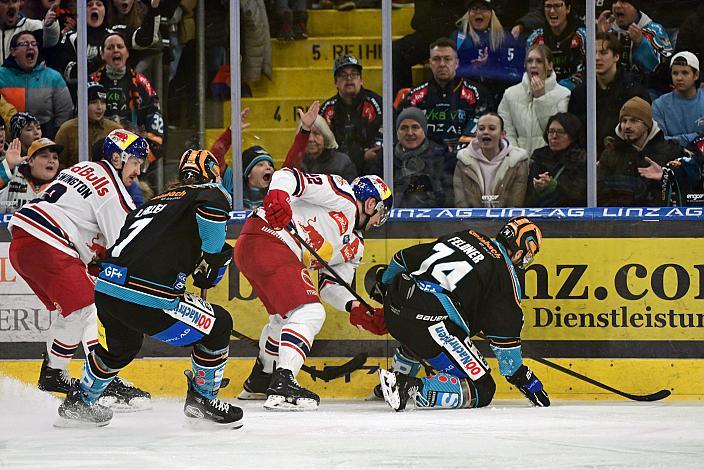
{"points": [[324, 211], [80, 213]]}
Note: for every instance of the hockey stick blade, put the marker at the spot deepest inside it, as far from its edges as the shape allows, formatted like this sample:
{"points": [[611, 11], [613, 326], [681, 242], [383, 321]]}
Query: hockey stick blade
{"points": [[659, 395], [334, 372], [327, 374]]}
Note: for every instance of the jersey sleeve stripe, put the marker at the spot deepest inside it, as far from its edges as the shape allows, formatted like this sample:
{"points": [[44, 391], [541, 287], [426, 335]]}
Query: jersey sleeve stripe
{"points": [[122, 197], [300, 181], [341, 192], [210, 213], [36, 220]]}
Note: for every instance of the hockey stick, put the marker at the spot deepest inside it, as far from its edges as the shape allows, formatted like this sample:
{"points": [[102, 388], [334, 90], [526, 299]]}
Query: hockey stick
{"points": [[659, 395], [327, 374]]}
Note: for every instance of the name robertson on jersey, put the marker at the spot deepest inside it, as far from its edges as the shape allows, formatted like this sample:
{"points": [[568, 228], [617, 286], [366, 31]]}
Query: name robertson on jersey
{"points": [[80, 187]]}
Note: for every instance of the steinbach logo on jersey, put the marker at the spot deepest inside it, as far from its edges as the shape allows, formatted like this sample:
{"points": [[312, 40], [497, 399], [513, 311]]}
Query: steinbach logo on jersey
{"points": [[341, 221]]}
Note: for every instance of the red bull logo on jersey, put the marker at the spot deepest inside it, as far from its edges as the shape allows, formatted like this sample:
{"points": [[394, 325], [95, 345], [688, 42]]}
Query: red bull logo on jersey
{"points": [[349, 251], [100, 183], [341, 220], [315, 239]]}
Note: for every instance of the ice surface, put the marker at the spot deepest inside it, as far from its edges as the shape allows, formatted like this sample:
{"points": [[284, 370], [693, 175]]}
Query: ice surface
{"points": [[359, 435]]}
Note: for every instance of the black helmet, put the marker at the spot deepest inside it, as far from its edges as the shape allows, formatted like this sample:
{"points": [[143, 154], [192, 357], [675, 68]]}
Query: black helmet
{"points": [[520, 233], [199, 164]]}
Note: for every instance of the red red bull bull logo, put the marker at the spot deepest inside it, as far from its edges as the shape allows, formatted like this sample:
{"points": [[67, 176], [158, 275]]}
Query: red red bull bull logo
{"points": [[315, 239]]}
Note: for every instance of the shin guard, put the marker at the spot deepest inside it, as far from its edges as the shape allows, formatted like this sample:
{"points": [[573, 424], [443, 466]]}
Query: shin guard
{"points": [[95, 379], [208, 369]]}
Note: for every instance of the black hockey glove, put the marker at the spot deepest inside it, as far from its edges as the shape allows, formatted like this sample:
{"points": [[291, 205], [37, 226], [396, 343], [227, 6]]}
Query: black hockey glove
{"points": [[212, 268], [525, 380], [379, 289]]}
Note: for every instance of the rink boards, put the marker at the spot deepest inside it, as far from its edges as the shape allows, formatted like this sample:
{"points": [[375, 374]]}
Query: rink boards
{"points": [[617, 299]]}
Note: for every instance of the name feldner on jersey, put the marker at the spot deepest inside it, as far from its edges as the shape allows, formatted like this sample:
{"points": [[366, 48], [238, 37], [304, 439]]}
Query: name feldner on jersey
{"points": [[80, 213], [324, 211]]}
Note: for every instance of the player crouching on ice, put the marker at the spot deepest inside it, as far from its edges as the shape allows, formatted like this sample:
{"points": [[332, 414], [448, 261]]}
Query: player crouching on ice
{"points": [[141, 290], [56, 237], [330, 214], [437, 296]]}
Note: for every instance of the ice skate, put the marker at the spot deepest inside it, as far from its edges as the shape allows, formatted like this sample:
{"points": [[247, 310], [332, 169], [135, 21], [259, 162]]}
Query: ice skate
{"points": [[76, 413], [376, 394], [398, 388], [254, 388], [215, 411], [54, 380], [122, 396], [286, 394]]}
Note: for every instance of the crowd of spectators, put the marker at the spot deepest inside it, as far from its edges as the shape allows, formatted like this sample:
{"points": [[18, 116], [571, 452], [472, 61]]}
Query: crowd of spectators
{"points": [[501, 111]]}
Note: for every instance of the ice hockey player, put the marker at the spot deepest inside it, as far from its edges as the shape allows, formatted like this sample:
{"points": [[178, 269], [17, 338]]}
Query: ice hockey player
{"points": [[141, 290], [331, 215], [437, 296], [54, 240]]}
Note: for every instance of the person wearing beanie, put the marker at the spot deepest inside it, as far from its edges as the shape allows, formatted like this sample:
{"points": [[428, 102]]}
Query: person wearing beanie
{"points": [[98, 127], [257, 167], [24, 126], [646, 44], [680, 113], [422, 168], [354, 116], [638, 143]]}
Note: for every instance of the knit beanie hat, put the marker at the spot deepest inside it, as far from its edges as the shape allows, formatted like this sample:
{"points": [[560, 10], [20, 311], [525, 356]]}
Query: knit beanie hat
{"points": [[414, 114], [252, 156], [96, 91], [19, 121], [638, 108]]}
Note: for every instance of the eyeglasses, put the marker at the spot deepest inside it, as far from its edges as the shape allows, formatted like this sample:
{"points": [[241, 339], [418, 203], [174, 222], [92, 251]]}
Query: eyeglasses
{"points": [[352, 75], [553, 6], [27, 44], [557, 132]]}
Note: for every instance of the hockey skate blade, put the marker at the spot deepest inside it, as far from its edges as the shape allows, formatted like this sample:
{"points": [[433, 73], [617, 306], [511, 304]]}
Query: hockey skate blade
{"points": [[135, 404], [208, 425], [66, 423], [376, 394], [279, 403], [388, 388], [245, 395]]}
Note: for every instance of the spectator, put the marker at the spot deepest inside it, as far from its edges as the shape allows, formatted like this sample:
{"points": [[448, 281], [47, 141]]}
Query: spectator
{"points": [[65, 11], [491, 172], [421, 176], [432, 19], [487, 54], [525, 15], [32, 87], [98, 126], [354, 116], [691, 33], [680, 113], [614, 86], [25, 127], [527, 107], [451, 104], [646, 45], [557, 176], [12, 22], [20, 183], [292, 18], [132, 101], [130, 15], [637, 137], [6, 109], [565, 35], [257, 166], [321, 156]]}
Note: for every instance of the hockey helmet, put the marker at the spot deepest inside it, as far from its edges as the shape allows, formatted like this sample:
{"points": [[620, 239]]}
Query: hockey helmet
{"points": [[520, 233], [368, 186], [198, 164], [126, 144]]}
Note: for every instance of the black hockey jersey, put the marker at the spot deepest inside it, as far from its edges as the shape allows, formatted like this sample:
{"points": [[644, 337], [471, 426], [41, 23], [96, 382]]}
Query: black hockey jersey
{"points": [[161, 244], [476, 273]]}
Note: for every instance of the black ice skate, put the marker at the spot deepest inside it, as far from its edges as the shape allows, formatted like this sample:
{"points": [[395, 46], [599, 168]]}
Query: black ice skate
{"points": [[122, 396], [286, 394], [254, 388], [399, 388], [215, 411], [74, 412], [54, 380], [376, 395]]}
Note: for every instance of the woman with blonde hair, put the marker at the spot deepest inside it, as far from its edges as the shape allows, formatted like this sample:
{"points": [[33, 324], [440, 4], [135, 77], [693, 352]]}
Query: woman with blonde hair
{"points": [[487, 53]]}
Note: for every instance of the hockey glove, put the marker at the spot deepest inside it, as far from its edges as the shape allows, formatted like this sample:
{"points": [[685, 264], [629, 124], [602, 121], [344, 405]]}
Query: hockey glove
{"points": [[378, 291], [277, 206], [525, 380], [372, 322], [212, 268]]}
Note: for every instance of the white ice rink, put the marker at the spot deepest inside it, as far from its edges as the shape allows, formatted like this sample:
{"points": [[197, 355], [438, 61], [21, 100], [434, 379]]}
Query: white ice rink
{"points": [[359, 435]]}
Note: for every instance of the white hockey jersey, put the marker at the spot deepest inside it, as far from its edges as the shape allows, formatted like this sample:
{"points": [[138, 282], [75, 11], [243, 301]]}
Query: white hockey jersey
{"points": [[324, 211], [80, 213]]}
